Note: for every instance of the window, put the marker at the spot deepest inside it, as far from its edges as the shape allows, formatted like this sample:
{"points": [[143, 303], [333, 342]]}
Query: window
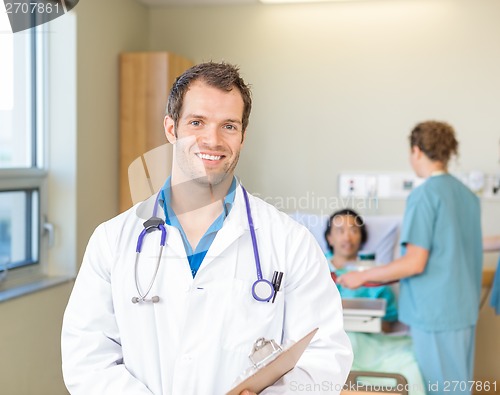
{"points": [[22, 136], [18, 216]]}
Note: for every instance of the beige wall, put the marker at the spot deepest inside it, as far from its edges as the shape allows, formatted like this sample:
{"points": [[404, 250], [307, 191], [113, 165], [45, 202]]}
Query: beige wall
{"points": [[30, 333], [105, 28], [338, 86]]}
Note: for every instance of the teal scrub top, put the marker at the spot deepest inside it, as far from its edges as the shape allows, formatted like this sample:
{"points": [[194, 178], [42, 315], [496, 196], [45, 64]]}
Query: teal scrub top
{"points": [[382, 292], [443, 216]]}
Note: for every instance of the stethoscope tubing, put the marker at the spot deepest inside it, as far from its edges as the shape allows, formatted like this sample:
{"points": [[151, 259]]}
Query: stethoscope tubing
{"points": [[252, 235], [268, 291], [149, 229], [141, 296], [262, 289], [149, 226]]}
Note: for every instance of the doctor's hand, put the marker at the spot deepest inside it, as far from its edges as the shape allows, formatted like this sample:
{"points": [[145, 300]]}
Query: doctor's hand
{"points": [[247, 392], [352, 280]]}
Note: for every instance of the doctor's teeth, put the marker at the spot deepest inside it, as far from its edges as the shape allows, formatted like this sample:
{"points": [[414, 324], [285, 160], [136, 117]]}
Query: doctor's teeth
{"points": [[209, 157]]}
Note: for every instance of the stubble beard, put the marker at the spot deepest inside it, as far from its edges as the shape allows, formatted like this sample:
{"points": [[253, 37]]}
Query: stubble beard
{"points": [[215, 179], [212, 179]]}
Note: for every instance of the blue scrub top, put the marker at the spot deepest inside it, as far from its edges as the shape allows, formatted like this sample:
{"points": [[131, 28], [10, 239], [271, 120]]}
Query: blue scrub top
{"points": [[495, 290], [382, 292], [195, 256], [443, 216]]}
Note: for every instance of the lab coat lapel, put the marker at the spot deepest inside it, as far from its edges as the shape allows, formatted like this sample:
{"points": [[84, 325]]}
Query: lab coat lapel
{"points": [[174, 241], [235, 225]]}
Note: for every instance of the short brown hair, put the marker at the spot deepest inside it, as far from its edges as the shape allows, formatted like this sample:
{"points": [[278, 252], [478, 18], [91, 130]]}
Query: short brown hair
{"points": [[435, 139], [222, 75]]}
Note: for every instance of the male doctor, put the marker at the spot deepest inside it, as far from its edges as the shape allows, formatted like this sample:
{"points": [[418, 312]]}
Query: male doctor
{"points": [[182, 319]]}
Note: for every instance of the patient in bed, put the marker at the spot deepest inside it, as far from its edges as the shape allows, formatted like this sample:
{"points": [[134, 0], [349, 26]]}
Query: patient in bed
{"points": [[345, 235]]}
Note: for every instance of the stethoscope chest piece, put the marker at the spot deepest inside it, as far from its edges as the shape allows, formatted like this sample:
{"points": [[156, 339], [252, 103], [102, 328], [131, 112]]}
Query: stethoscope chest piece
{"points": [[262, 290]]}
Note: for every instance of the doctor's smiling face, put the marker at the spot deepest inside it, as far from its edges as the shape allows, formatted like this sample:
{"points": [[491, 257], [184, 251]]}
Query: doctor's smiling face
{"points": [[208, 135]]}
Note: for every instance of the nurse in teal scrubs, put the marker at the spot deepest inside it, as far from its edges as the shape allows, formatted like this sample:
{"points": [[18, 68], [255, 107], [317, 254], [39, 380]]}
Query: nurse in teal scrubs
{"points": [[441, 264]]}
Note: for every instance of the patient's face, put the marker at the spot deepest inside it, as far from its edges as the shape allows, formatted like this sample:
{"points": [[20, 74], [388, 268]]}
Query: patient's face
{"points": [[345, 237]]}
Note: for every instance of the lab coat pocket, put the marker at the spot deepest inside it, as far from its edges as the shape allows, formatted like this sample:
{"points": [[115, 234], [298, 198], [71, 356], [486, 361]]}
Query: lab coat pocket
{"points": [[247, 319]]}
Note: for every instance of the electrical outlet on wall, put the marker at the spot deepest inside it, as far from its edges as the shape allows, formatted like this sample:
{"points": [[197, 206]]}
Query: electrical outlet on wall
{"points": [[353, 185], [492, 186]]}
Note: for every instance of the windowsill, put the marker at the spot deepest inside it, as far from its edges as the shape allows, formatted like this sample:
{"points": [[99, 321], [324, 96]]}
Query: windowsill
{"points": [[31, 287]]}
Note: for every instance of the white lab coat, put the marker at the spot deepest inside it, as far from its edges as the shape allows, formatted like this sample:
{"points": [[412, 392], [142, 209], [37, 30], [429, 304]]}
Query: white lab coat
{"points": [[196, 340]]}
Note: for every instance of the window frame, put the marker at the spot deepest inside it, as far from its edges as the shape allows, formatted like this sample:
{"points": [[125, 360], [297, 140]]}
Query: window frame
{"points": [[13, 180], [34, 177], [57, 176]]}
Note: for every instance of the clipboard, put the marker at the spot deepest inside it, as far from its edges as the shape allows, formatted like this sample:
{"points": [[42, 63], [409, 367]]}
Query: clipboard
{"points": [[271, 372]]}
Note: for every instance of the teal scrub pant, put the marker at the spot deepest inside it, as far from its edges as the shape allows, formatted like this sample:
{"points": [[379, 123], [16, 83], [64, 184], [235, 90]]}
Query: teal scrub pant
{"points": [[446, 359]]}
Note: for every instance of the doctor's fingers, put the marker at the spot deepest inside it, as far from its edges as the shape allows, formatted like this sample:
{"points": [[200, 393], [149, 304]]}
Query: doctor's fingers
{"points": [[247, 392]]}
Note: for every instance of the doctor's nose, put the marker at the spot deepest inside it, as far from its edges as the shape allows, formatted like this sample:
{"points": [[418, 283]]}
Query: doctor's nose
{"points": [[211, 136]]}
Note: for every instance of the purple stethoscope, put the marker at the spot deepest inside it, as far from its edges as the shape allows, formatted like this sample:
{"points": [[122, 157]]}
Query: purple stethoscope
{"points": [[262, 289]]}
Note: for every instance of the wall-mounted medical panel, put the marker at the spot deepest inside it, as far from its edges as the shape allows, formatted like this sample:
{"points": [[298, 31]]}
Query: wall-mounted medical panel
{"points": [[399, 185], [384, 185]]}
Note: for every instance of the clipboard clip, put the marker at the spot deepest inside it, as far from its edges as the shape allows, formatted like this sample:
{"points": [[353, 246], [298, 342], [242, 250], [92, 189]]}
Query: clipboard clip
{"points": [[264, 351], [270, 362]]}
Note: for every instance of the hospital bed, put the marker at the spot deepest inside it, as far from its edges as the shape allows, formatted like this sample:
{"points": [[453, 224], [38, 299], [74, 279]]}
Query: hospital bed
{"points": [[385, 355], [361, 314], [362, 318]]}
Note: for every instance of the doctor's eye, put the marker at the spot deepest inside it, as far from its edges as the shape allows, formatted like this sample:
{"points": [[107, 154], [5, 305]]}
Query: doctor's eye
{"points": [[230, 127], [195, 123]]}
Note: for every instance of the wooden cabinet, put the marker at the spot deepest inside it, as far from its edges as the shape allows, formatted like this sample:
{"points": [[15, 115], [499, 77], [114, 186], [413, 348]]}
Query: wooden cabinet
{"points": [[145, 154]]}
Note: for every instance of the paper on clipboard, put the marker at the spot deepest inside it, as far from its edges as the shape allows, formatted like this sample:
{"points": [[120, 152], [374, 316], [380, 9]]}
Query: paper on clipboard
{"points": [[270, 373]]}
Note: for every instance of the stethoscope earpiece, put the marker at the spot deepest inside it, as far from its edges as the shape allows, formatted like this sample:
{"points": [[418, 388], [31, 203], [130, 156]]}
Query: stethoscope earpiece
{"points": [[152, 224], [154, 299]]}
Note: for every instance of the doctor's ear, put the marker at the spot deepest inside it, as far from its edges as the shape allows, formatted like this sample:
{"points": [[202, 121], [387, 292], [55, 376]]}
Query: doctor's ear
{"points": [[169, 125]]}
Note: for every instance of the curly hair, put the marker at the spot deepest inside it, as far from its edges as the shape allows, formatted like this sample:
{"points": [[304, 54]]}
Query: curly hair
{"points": [[435, 139], [223, 76]]}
